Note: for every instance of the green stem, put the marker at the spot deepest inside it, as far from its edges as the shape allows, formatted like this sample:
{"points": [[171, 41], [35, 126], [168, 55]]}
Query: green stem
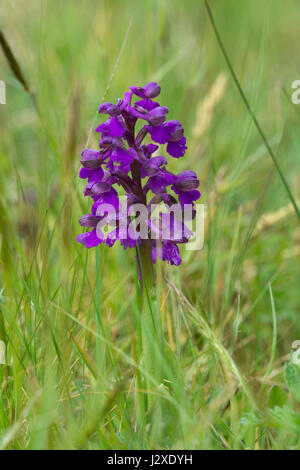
{"points": [[152, 335], [253, 117], [145, 266]]}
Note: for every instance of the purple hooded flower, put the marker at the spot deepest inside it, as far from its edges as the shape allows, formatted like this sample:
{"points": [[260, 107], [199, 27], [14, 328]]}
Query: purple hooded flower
{"points": [[89, 239], [166, 251], [147, 104], [168, 228], [151, 166], [170, 132], [151, 90], [109, 108], [161, 133], [177, 148], [113, 127], [157, 115], [125, 163], [185, 186], [91, 175], [159, 182], [91, 159]]}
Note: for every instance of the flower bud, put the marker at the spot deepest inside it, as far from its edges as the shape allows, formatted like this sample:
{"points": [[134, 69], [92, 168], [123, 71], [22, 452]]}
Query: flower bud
{"points": [[100, 188], [177, 134], [109, 108], [89, 220], [157, 116], [186, 181], [91, 159], [151, 90]]}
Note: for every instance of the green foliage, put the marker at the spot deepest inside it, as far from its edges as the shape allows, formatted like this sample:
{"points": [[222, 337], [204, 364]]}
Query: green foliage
{"points": [[277, 397], [85, 366], [292, 378]]}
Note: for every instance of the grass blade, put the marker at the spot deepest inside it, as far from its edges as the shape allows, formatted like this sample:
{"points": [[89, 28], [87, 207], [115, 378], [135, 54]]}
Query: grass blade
{"points": [[247, 104], [13, 63]]}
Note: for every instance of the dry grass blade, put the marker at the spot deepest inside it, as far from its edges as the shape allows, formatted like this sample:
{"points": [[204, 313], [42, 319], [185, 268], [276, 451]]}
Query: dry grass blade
{"points": [[206, 107], [215, 342], [13, 63], [251, 113], [99, 412], [271, 218]]}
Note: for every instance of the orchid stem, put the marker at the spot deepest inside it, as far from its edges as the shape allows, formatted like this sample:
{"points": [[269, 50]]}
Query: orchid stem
{"points": [[152, 335]]}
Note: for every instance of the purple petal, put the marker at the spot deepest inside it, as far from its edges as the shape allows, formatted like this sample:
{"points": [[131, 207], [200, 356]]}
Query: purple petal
{"points": [[109, 108], [92, 175], [91, 159], [151, 90], [160, 134], [111, 197], [186, 181], [89, 220], [152, 166], [157, 116], [159, 182], [111, 238], [122, 155], [177, 148], [116, 129], [127, 100], [173, 229], [167, 252], [100, 188], [147, 104], [151, 148], [111, 128], [176, 129], [187, 197], [129, 242], [89, 239]]}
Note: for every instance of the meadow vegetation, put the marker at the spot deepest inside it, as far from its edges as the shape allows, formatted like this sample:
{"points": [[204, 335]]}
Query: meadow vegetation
{"points": [[72, 373]]}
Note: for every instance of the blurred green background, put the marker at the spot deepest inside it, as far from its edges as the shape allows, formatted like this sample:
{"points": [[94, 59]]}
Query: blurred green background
{"points": [[70, 375]]}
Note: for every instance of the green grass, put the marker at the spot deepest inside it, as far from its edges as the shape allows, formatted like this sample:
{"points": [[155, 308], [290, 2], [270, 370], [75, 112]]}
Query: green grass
{"points": [[84, 367]]}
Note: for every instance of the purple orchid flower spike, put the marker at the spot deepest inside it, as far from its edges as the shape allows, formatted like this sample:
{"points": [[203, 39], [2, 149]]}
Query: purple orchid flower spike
{"points": [[125, 161]]}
